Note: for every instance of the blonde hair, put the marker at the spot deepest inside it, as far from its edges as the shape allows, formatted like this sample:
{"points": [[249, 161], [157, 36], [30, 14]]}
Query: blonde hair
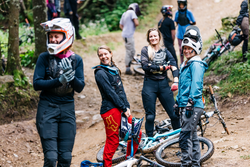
{"points": [[109, 50], [151, 51]]}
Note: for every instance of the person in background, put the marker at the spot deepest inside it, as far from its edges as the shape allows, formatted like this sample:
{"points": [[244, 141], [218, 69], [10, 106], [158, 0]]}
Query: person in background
{"points": [[58, 74], [242, 21], [70, 10], [128, 23], [51, 12], [155, 62], [183, 18], [167, 29], [58, 7], [189, 99], [114, 102]]}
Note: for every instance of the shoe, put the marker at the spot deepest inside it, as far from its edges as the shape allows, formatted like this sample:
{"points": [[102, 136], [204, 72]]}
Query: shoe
{"points": [[80, 37]]}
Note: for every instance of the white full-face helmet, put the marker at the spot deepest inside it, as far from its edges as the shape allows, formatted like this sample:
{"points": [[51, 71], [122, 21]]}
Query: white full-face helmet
{"points": [[192, 38], [62, 25]]}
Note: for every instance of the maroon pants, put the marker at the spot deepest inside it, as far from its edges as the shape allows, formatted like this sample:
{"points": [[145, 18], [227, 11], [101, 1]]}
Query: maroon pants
{"points": [[112, 122]]}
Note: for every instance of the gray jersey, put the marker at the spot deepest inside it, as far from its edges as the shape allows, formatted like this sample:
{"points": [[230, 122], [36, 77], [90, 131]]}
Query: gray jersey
{"points": [[128, 23]]}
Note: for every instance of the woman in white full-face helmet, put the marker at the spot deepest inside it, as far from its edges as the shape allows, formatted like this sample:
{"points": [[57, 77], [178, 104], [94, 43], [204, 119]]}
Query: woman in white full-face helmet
{"points": [[189, 99], [58, 73]]}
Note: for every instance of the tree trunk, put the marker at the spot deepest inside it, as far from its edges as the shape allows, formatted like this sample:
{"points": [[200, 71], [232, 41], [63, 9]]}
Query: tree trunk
{"points": [[13, 62], [1, 66], [39, 15]]}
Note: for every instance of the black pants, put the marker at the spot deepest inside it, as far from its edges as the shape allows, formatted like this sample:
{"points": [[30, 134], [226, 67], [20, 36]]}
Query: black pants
{"points": [[150, 91], [74, 20], [172, 51], [57, 129]]}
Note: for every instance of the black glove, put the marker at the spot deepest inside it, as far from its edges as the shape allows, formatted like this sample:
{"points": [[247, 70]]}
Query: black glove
{"points": [[189, 108], [176, 109]]}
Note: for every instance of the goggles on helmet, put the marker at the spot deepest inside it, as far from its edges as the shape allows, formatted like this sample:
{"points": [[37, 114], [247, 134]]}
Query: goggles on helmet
{"points": [[192, 34]]}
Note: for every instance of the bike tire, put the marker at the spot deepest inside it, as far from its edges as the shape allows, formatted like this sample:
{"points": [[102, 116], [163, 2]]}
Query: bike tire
{"points": [[138, 69], [167, 154]]}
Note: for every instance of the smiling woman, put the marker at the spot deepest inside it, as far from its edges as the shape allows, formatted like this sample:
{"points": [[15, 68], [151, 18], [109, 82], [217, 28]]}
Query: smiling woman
{"points": [[155, 62], [114, 102]]}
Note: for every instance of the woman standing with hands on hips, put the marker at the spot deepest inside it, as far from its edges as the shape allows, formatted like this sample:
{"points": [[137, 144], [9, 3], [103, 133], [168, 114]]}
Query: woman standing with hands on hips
{"points": [[114, 101], [155, 62]]}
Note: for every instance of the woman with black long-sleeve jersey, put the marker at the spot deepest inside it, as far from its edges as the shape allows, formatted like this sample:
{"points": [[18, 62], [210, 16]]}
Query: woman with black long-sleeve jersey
{"points": [[155, 62], [114, 102], [58, 73]]}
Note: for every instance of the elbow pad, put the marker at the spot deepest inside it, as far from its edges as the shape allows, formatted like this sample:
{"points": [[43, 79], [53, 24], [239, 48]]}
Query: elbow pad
{"points": [[175, 73]]}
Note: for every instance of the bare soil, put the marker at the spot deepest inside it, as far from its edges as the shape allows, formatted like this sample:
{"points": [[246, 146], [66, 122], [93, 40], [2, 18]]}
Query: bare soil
{"points": [[20, 144]]}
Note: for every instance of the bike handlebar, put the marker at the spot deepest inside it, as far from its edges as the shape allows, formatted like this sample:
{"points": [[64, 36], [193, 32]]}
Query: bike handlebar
{"points": [[152, 163]]}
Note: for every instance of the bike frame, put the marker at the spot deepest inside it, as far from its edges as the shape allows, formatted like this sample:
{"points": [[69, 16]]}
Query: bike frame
{"points": [[149, 140]]}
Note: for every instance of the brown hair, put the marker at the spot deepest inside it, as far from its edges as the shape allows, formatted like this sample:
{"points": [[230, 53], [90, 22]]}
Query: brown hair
{"points": [[110, 51]]}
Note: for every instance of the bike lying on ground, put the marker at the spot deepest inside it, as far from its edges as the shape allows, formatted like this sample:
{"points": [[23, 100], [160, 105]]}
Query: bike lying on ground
{"points": [[169, 139], [169, 154], [219, 47], [136, 62], [131, 161]]}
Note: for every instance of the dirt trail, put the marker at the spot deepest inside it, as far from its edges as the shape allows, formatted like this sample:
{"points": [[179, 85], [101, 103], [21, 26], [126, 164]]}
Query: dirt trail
{"points": [[20, 144]]}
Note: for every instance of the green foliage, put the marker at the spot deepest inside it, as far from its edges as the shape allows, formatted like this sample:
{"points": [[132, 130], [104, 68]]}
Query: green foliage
{"points": [[26, 59], [20, 80], [245, 157], [94, 28], [111, 14], [148, 19], [4, 42], [238, 80]]}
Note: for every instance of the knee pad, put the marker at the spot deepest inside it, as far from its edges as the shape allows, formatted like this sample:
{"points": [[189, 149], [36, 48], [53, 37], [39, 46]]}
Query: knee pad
{"points": [[50, 158], [150, 118], [64, 159]]}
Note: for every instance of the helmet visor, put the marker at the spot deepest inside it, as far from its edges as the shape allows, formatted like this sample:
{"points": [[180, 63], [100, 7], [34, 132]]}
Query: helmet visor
{"points": [[192, 34]]}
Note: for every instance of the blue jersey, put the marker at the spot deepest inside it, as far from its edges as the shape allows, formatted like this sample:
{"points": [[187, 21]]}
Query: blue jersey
{"points": [[191, 82], [181, 29]]}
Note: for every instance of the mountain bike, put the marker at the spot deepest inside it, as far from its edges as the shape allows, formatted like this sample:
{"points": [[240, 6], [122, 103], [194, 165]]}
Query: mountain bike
{"points": [[169, 154], [136, 62], [160, 142], [147, 144], [217, 49], [132, 161], [28, 35]]}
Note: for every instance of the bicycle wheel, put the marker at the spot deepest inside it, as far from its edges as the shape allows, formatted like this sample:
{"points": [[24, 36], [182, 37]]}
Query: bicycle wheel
{"points": [[169, 154], [138, 69], [119, 155]]}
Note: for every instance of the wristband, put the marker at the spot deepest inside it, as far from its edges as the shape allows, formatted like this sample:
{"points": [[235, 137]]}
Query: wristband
{"points": [[175, 73]]}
